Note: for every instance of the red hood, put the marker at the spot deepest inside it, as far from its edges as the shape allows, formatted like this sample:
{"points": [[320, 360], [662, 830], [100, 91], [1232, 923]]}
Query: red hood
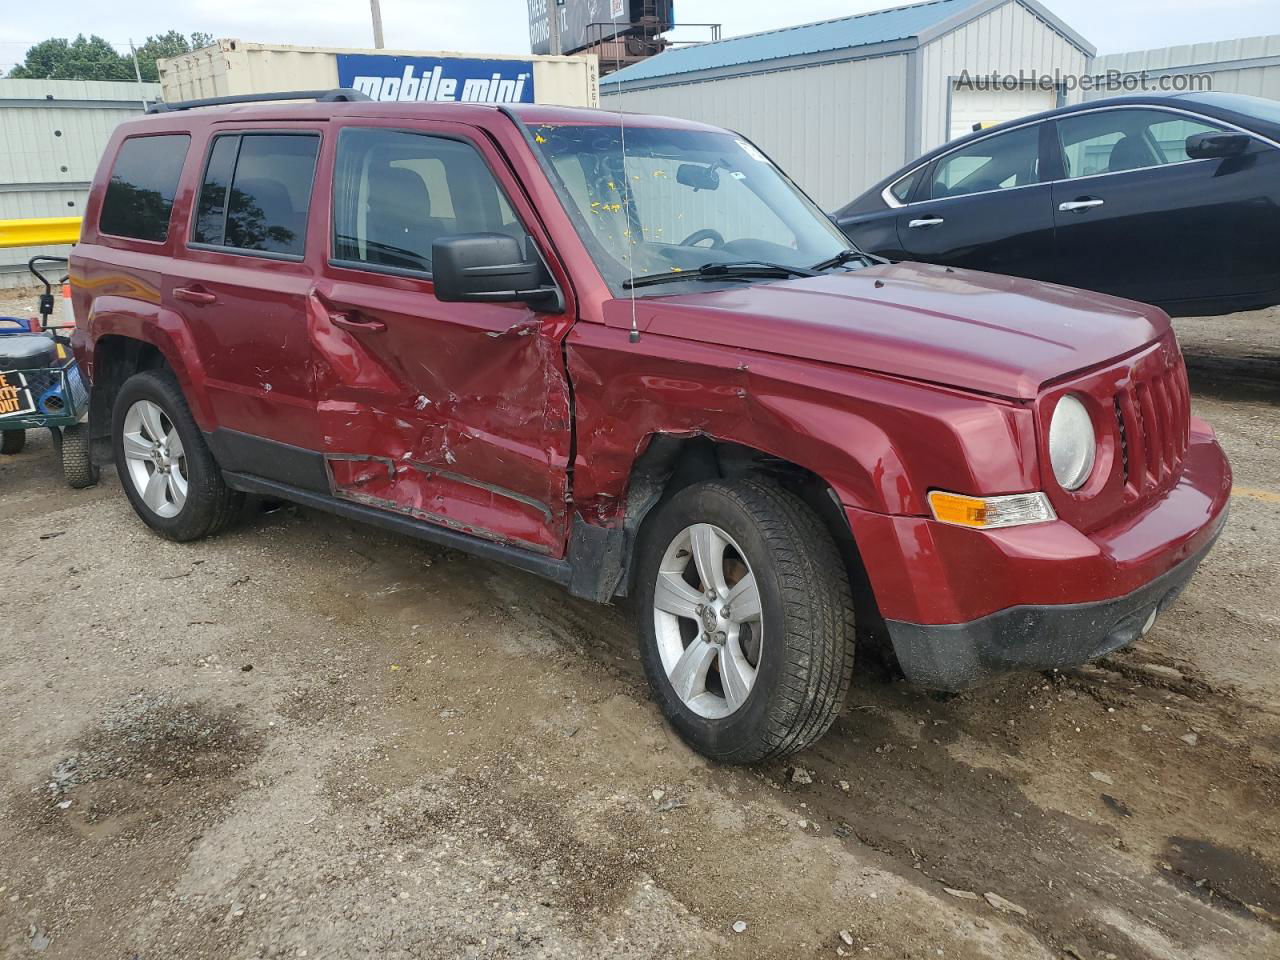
{"points": [[977, 331]]}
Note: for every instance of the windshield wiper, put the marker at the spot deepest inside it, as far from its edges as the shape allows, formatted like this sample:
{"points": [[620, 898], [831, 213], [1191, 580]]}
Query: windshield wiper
{"points": [[844, 256], [737, 270]]}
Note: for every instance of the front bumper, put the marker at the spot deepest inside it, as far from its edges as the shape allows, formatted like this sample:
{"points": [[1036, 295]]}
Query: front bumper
{"points": [[956, 656], [961, 604]]}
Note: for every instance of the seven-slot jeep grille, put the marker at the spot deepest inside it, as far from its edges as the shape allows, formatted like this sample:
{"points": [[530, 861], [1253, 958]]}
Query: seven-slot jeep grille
{"points": [[1152, 412]]}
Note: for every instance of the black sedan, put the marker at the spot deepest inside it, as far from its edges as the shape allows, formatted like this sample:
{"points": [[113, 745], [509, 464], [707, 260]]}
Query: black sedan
{"points": [[1172, 200]]}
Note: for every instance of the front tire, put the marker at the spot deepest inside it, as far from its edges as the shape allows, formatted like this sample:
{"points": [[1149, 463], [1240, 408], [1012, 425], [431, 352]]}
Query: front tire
{"points": [[746, 620], [165, 466]]}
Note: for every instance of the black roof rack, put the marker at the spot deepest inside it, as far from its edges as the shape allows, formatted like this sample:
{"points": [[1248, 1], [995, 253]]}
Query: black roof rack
{"points": [[338, 95]]}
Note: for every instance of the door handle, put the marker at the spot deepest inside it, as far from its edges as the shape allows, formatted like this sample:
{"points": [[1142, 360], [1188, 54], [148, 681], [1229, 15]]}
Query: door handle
{"points": [[194, 295], [925, 222], [357, 322], [1080, 206]]}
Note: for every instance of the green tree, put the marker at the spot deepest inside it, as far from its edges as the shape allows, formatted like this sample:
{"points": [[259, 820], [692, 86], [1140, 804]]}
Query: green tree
{"points": [[79, 59], [167, 45], [96, 59]]}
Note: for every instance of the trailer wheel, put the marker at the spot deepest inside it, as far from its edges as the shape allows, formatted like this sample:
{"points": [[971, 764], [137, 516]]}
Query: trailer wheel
{"points": [[13, 441], [78, 470]]}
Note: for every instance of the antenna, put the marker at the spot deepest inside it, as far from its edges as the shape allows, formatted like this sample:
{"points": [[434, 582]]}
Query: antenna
{"points": [[634, 336]]}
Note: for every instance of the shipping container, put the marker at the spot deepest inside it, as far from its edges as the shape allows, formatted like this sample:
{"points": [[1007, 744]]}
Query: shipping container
{"points": [[230, 67]]}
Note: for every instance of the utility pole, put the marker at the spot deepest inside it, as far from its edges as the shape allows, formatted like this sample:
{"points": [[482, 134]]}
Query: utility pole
{"points": [[375, 8], [553, 22], [137, 72]]}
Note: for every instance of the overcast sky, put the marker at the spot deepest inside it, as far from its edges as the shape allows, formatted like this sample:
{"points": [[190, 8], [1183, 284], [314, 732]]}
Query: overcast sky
{"points": [[501, 26]]}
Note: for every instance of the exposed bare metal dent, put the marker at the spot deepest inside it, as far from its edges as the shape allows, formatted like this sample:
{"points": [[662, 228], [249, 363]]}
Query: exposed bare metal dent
{"points": [[491, 487], [523, 328], [444, 521]]}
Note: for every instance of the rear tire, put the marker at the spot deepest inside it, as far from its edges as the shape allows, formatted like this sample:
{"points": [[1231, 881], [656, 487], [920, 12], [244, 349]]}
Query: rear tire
{"points": [[13, 441], [77, 468], [771, 674], [182, 496]]}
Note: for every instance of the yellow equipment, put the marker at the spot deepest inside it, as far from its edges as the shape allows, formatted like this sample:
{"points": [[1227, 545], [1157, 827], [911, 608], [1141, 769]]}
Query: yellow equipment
{"points": [[39, 232]]}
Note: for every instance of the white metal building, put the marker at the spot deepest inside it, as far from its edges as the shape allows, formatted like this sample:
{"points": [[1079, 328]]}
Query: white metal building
{"points": [[1250, 65], [54, 133], [841, 103]]}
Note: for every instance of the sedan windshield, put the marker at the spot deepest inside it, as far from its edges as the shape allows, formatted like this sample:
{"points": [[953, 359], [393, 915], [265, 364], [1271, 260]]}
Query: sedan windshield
{"points": [[680, 200]]}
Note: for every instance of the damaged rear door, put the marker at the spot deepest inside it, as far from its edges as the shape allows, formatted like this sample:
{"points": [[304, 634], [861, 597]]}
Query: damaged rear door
{"points": [[454, 413]]}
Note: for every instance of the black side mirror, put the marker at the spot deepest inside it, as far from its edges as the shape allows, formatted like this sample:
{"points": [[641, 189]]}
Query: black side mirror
{"points": [[490, 268], [1206, 146], [698, 176]]}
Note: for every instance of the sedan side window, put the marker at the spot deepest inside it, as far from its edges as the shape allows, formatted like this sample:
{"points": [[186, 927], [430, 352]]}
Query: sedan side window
{"points": [[395, 193], [1112, 141], [902, 188], [1171, 136], [995, 163]]}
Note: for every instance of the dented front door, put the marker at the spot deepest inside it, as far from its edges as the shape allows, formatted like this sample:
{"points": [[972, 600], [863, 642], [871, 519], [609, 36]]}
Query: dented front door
{"points": [[457, 414]]}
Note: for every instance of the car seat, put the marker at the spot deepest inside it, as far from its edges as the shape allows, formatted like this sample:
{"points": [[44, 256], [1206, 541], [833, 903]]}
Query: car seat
{"points": [[400, 228], [1128, 153]]}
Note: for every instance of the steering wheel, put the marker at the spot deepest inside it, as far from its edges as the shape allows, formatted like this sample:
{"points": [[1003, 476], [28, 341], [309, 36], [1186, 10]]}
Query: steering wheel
{"points": [[706, 233]]}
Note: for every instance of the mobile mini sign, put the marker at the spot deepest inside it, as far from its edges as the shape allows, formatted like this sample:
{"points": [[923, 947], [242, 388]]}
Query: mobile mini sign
{"points": [[437, 79]]}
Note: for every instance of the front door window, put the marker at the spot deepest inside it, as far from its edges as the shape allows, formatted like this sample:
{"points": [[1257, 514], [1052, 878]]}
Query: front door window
{"points": [[1113, 141], [396, 193]]}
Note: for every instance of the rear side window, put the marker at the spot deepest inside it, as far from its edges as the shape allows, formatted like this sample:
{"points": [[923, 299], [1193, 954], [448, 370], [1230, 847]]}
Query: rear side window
{"points": [[396, 193], [144, 179], [902, 188], [256, 193]]}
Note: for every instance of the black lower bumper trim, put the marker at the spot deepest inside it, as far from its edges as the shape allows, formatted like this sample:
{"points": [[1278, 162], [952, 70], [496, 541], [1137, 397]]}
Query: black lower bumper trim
{"points": [[957, 656]]}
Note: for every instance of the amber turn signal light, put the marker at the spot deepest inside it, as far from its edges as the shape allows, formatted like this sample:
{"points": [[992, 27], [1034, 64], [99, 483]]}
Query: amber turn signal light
{"points": [[987, 513]]}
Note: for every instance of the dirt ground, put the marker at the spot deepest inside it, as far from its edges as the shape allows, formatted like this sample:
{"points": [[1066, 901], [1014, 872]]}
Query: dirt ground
{"points": [[308, 738]]}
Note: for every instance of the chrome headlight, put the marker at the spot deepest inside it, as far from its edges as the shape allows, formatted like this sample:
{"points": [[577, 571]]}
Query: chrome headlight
{"points": [[1072, 442]]}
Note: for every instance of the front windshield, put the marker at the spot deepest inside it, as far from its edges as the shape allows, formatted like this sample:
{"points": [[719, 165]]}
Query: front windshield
{"points": [[680, 200]]}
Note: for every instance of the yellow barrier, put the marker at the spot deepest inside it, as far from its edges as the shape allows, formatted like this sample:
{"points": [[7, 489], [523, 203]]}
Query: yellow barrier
{"points": [[41, 232]]}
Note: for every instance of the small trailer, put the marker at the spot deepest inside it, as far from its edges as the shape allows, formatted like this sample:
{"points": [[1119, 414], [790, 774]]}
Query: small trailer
{"points": [[41, 386]]}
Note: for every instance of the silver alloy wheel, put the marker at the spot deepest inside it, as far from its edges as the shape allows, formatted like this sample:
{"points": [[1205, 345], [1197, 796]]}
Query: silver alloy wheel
{"points": [[156, 462], [706, 615]]}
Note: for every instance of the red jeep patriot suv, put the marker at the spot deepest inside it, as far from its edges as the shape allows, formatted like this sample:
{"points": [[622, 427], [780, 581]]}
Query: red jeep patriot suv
{"points": [[628, 354]]}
